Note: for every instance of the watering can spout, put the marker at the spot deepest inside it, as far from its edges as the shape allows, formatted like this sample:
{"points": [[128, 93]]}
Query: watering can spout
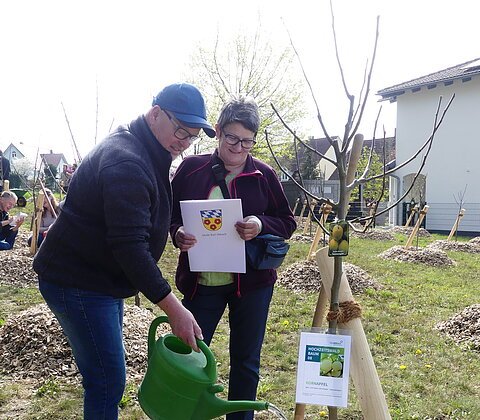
{"points": [[210, 406]]}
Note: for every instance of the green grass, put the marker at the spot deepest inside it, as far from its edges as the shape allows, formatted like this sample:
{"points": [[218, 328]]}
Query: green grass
{"points": [[424, 374]]}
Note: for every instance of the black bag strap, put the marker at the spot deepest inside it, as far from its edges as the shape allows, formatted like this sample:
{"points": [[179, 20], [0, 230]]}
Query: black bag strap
{"points": [[219, 174]]}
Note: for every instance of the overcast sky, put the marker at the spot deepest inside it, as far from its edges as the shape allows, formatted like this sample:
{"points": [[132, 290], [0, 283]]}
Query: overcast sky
{"points": [[55, 52]]}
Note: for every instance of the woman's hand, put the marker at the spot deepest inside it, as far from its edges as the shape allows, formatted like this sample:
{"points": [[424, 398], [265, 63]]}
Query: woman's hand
{"points": [[184, 240], [249, 228]]}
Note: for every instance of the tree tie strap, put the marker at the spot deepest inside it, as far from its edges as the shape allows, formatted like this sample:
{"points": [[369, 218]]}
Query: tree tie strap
{"points": [[347, 311]]}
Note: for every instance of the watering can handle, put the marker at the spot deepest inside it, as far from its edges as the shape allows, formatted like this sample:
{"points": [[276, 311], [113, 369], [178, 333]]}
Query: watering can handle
{"points": [[211, 366]]}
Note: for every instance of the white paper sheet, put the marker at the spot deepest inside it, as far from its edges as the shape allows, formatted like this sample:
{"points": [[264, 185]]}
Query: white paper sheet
{"points": [[219, 248], [323, 369]]}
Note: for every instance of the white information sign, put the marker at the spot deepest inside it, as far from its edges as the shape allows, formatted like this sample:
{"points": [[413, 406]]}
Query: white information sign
{"points": [[219, 248], [323, 369]]}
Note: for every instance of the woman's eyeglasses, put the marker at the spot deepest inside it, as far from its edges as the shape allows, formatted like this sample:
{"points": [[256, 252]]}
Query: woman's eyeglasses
{"points": [[232, 140]]}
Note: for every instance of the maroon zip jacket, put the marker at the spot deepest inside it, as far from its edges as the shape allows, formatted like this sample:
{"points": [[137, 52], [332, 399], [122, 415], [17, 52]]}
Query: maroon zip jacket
{"points": [[262, 196]]}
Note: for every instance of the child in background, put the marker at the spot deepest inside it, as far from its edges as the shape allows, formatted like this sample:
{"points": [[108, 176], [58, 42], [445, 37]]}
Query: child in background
{"points": [[47, 217]]}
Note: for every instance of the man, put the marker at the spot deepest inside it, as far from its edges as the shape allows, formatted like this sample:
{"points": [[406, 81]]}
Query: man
{"points": [[109, 236], [9, 225], [4, 170]]}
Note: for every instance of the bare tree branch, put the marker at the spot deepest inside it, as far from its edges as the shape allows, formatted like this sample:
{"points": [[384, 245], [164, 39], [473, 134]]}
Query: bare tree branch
{"points": [[319, 115], [300, 140], [71, 134]]}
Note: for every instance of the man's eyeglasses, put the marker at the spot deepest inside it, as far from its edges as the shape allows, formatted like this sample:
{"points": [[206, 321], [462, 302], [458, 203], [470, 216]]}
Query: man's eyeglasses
{"points": [[180, 133], [232, 140]]}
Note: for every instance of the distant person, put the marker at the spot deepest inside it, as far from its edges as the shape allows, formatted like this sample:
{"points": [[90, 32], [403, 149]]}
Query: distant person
{"points": [[48, 218], [10, 225], [266, 210], [4, 170], [66, 176], [107, 240]]}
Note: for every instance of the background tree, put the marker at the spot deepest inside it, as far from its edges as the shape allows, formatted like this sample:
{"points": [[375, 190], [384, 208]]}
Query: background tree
{"points": [[22, 173], [377, 187], [250, 65], [308, 165], [50, 172]]}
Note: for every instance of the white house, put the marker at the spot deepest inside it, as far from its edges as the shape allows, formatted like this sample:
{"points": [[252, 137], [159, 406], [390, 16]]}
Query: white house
{"points": [[452, 170], [12, 152], [56, 159]]}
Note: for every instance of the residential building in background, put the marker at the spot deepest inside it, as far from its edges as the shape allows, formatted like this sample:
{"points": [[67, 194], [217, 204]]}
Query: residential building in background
{"points": [[449, 180]]}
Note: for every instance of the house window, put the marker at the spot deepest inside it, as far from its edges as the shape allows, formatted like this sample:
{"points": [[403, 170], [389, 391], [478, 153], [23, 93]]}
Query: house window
{"points": [[14, 154]]}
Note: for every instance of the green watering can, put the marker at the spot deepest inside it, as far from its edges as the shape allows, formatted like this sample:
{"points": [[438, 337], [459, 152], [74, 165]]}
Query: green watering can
{"points": [[180, 383]]}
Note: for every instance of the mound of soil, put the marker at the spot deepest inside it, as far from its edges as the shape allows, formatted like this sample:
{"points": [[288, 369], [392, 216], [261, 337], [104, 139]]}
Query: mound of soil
{"points": [[304, 276], [16, 264], [445, 245], [427, 256], [32, 344], [464, 327], [407, 230]]}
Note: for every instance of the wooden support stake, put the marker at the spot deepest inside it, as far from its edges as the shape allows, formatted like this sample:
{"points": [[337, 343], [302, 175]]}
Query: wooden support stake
{"points": [[362, 367], [316, 240], [355, 154], [456, 224], [296, 205], [313, 203], [416, 227], [318, 317], [326, 209], [36, 222], [6, 185], [412, 213], [303, 210]]}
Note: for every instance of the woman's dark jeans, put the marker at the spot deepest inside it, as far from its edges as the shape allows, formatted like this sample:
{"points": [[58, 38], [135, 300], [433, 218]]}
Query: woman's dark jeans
{"points": [[248, 319]]}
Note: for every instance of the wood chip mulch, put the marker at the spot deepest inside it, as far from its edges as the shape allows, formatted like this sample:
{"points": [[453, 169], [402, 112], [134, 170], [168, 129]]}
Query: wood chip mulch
{"points": [[359, 279], [301, 276], [304, 276], [475, 240], [428, 256], [16, 264], [300, 237], [375, 234], [407, 230], [464, 327], [32, 344], [471, 247]]}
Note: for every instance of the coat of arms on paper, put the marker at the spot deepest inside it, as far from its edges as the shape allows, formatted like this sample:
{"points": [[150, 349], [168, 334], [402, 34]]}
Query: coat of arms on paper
{"points": [[212, 219]]}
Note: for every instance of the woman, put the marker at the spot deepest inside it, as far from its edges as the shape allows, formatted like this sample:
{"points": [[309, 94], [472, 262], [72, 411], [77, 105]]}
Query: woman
{"points": [[266, 208], [47, 217]]}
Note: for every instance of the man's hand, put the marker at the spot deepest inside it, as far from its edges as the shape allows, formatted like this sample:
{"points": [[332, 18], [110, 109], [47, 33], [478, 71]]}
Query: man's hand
{"points": [[18, 222], [184, 240], [181, 320]]}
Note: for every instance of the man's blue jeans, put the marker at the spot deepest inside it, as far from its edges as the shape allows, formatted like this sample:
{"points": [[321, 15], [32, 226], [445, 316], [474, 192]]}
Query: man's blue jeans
{"points": [[9, 240], [248, 319], [93, 324]]}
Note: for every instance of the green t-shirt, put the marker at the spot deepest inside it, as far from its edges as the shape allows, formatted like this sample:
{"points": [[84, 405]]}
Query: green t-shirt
{"points": [[213, 278]]}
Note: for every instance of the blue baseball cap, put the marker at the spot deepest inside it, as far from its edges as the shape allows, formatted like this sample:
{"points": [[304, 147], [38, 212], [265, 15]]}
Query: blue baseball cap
{"points": [[186, 103]]}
